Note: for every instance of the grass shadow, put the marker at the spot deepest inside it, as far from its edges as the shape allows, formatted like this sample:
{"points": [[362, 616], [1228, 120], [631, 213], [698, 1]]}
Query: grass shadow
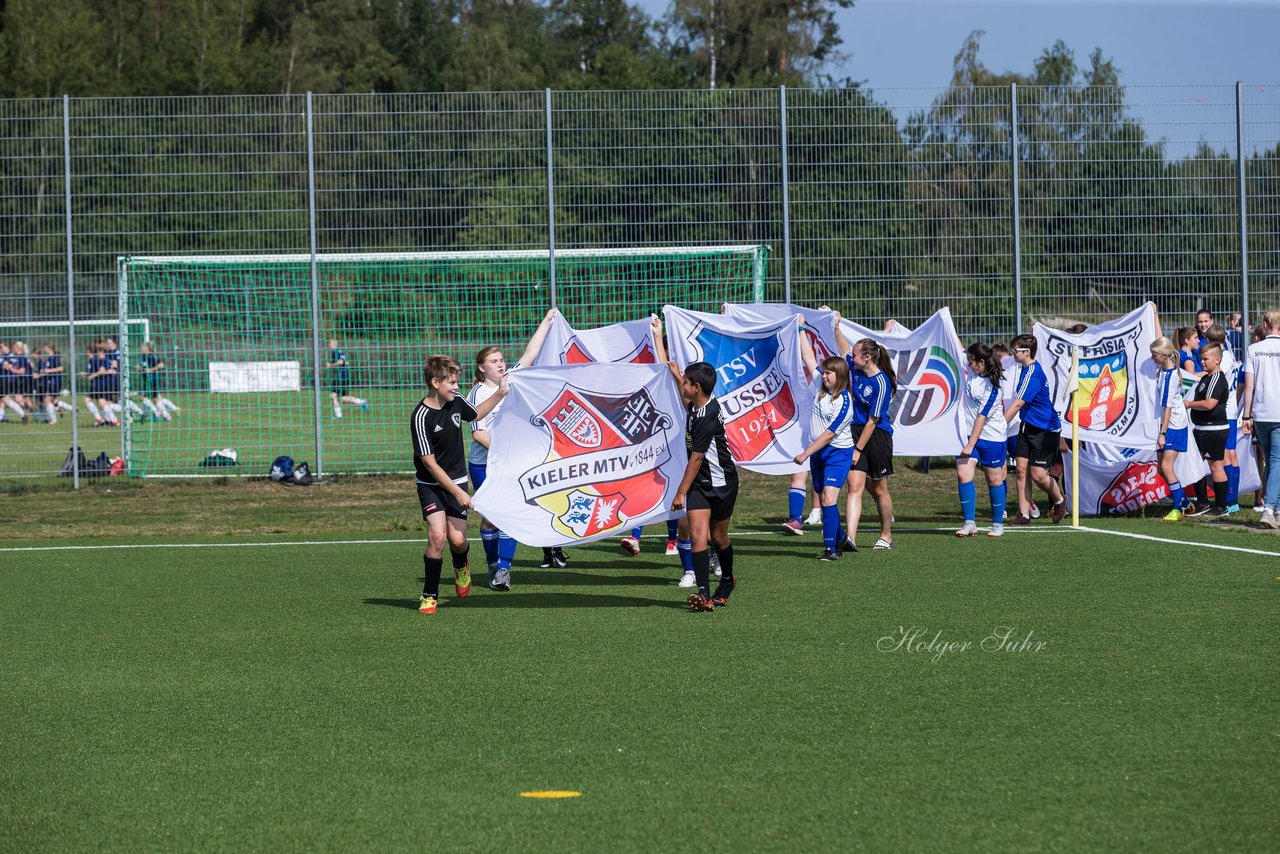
{"points": [[536, 600]]}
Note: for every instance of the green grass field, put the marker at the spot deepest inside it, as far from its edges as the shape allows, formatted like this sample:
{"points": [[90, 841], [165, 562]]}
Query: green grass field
{"points": [[162, 695]]}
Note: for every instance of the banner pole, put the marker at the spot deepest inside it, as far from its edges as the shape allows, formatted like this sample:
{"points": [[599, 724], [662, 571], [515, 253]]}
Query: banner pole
{"points": [[1075, 437]]}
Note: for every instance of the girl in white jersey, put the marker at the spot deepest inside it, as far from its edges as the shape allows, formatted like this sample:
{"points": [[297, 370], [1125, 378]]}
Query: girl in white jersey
{"points": [[984, 413], [830, 455], [1172, 439], [499, 549]]}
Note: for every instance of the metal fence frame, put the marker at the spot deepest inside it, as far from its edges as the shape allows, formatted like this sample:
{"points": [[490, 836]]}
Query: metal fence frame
{"points": [[556, 165]]}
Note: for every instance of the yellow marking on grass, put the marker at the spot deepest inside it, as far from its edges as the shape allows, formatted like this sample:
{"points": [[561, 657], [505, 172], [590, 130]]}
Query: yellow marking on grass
{"points": [[551, 794]]}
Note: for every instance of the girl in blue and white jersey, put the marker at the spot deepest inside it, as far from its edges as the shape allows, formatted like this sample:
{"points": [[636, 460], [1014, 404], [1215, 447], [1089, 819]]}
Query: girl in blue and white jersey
{"points": [[1172, 438], [986, 443], [830, 454]]}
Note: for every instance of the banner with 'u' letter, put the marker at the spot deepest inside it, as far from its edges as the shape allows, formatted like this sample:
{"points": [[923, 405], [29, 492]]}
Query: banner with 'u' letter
{"points": [[764, 394], [584, 452]]}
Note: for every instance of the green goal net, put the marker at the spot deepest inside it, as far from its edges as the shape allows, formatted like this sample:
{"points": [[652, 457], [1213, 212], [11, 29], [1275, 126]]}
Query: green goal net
{"points": [[262, 356]]}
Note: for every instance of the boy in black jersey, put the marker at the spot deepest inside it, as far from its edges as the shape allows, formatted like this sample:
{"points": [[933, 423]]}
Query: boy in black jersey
{"points": [[441, 468], [709, 487], [1209, 425]]}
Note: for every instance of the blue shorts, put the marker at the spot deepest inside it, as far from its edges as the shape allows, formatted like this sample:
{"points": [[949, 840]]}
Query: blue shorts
{"points": [[1176, 440], [990, 454], [477, 473], [830, 467], [1011, 447], [1231, 434]]}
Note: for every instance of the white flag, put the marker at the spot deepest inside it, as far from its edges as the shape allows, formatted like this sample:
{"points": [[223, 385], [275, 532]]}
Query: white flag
{"points": [[760, 381], [620, 342], [584, 452], [928, 362], [1117, 378]]}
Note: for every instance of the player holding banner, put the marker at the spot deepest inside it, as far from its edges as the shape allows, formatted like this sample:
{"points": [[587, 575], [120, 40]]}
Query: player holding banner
{"points": [[709, 488]]}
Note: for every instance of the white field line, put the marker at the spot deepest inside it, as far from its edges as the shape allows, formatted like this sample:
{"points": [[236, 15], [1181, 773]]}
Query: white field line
{"points": [[1180, 542], [404, 541]]}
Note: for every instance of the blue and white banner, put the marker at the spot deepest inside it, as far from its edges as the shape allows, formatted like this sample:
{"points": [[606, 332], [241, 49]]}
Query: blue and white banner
{"points": [[584, 452], [764, 393]]}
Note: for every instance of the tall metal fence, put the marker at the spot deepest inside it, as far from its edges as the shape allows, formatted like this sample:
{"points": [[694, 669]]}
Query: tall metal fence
{"points": [[1008, 204]]}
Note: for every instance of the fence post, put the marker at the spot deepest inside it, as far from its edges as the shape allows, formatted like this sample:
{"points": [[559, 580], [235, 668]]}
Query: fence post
{"points": [[1017, 219], [72, 355], [786, 199], [315, 287], [551, 206], [1245, 336]]}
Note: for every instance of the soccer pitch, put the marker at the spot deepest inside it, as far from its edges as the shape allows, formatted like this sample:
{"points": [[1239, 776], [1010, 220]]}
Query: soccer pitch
{"points": [[232, 690]]}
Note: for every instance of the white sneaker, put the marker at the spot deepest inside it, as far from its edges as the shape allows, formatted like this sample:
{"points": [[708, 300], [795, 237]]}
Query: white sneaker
{"points": [[715, 564], [1269, 519], [815, 517], [1035, 511], [968, 529], [996, 531], [688, 580], [629, 545], [1259, 508]]}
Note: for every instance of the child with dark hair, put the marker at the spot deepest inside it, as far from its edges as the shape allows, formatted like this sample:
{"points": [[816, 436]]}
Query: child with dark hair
{"points": [[709, 488], [1038, 439], [984, 412]]}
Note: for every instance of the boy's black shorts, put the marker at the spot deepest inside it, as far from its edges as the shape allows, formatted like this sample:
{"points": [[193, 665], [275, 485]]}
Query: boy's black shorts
{"points": [[436, 499], [1039, 446], [1212, 444], [876, 459], [719, 501]]}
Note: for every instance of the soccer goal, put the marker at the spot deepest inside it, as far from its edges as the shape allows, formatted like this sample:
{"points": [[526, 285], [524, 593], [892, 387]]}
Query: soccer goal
{"points": [[262, 359]]}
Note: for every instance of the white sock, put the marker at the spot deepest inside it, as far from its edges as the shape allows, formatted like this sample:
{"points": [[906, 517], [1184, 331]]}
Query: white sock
{"points": [[134, 408], [359, 401], [337, 412], [151, 407], [64, 406], [52, 412], [108, 412], [13, 404], [169, 405], [93, 410]]}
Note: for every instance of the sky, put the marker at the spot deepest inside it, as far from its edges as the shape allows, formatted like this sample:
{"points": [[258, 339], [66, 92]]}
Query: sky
{"points": [[1195, 50]]}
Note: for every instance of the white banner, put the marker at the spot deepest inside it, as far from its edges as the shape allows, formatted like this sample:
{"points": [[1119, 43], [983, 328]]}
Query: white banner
{"points": [[1121, 480], [760, 381], [1117, 378], [240, 377], [931, 370], [584, 452], [820, 325], [620, 342]]}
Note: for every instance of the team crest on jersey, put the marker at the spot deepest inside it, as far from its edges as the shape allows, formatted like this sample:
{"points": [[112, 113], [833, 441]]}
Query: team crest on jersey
{"points": [[576, 354], [929, 379], [603, 465], [1103, 394], [755, 397]]}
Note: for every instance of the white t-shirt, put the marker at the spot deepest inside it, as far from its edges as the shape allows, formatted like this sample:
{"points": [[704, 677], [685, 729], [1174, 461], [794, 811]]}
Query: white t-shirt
{"points": [[1263, 362], [1169, 394], [479, 394], [981, 398], [834, 414], [1230, 370], [1008, 389]]}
